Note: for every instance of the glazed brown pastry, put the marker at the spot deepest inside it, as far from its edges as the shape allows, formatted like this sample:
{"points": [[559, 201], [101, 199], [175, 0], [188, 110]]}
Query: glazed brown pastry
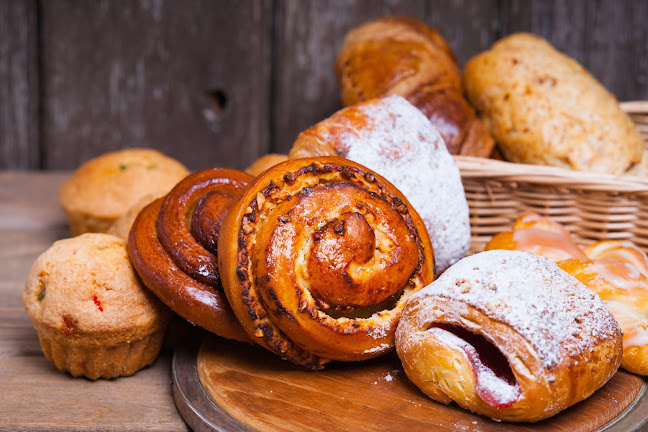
{"points": [[265, 162], [509, 335], [391, 136], [173, 246], [318, 257], [403, 56], [542, 107], [537, 235]]}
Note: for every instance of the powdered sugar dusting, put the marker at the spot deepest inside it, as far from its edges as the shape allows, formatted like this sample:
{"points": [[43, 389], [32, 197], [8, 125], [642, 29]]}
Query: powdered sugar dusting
{"points": [[400, 143], [554, 312]]}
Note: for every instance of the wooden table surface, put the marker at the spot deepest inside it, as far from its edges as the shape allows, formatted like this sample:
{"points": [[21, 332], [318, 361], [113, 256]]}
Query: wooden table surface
{"points": [[34, 394]]}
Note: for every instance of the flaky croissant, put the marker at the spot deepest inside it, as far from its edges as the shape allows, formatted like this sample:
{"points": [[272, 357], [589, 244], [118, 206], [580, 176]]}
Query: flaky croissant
{"points": [[403, 56], [318, 257]]}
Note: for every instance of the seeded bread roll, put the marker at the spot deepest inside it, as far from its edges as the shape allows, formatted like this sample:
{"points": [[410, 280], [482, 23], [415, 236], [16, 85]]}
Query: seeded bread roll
{"points": [[542, 107]]}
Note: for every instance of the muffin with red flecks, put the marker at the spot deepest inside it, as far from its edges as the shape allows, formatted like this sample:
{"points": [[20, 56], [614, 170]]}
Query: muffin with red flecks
{"points": [[93, 316]]}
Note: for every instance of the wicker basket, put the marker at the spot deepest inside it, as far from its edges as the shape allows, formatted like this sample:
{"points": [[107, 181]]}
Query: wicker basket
{"points": [[591, 206]]}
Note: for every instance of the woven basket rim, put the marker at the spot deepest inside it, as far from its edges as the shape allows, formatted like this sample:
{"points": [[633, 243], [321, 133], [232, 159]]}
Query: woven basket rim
{"points": [[472, 167]]}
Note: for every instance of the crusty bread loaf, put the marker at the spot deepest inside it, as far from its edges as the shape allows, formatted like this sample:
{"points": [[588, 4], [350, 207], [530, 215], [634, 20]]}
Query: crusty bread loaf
{"points": [[542, 107], [403, 56]]}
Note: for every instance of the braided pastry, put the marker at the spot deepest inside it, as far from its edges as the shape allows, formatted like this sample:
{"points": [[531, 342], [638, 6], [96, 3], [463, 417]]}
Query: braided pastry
{"points": [[537, 235], [620, 250], [509, 335], [625, 292], [319, 256], [391, 136], [403, 56], [173, 247]]}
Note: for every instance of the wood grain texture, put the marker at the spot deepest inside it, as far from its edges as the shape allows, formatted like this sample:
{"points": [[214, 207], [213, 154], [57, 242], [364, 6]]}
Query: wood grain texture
{"points": [[188, 78], [19, 134], [35, 396], [265, 393], [607, 37]]}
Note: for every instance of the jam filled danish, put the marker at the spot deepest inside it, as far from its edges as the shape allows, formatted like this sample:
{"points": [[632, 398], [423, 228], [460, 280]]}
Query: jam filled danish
{"points": [[173, 246], [318, 257], [509, 335]]}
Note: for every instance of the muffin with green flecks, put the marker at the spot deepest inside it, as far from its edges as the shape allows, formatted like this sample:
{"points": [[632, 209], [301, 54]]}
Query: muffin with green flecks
{"points": [[104, 188], [93, 316]]}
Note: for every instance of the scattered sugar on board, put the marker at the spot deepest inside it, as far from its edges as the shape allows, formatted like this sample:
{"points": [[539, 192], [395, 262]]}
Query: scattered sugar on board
{"points": [[554, 312], [400, 143]]}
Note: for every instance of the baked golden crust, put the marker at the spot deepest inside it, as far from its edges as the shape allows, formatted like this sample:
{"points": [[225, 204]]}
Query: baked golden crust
{"points": [[403, 56], [542, 107], [172, 245], [318, 257], [508, 335], [104, 188], [93, 316]]}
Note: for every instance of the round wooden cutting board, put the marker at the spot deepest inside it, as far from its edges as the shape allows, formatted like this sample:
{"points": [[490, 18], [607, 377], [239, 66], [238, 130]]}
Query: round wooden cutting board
{"points": [[232, 386]]}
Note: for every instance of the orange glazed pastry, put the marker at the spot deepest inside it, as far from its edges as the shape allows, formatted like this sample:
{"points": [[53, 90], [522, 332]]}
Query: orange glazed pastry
{"points": [[93, 315], [172, 245], [620, 250], [104, 188], [538, 235], [625, 292], [403, 56], [318, 257], [389, 135], [509, 335]]}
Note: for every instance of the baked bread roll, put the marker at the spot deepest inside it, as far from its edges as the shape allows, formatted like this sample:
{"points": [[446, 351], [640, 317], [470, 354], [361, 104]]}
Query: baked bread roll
{"points": [[625, 292], [537, 235], [318, 257], [403, 56], [509, 335], [172, 245], [392, 137], [542, 107]]}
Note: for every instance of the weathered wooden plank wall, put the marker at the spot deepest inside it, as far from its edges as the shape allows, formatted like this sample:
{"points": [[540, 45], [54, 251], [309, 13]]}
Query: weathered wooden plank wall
{"points": [[222, 82]]}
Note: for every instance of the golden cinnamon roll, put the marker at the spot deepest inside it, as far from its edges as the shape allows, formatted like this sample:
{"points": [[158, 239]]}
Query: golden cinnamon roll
{"points": [[318, 257], [537, 235], [173, 247], [509, 335], [624, 289]]}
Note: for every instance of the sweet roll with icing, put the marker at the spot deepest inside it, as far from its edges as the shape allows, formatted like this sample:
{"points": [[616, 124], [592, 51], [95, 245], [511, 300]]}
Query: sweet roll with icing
{"points": [[318, 257]]}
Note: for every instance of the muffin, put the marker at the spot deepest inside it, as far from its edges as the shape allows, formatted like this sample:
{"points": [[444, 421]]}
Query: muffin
{"points": [[105, 187], [93, 316]]}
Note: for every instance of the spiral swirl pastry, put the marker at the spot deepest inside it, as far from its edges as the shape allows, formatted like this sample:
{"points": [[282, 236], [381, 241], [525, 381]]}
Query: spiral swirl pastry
{"points": [[173, 247], [318, 258]]}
